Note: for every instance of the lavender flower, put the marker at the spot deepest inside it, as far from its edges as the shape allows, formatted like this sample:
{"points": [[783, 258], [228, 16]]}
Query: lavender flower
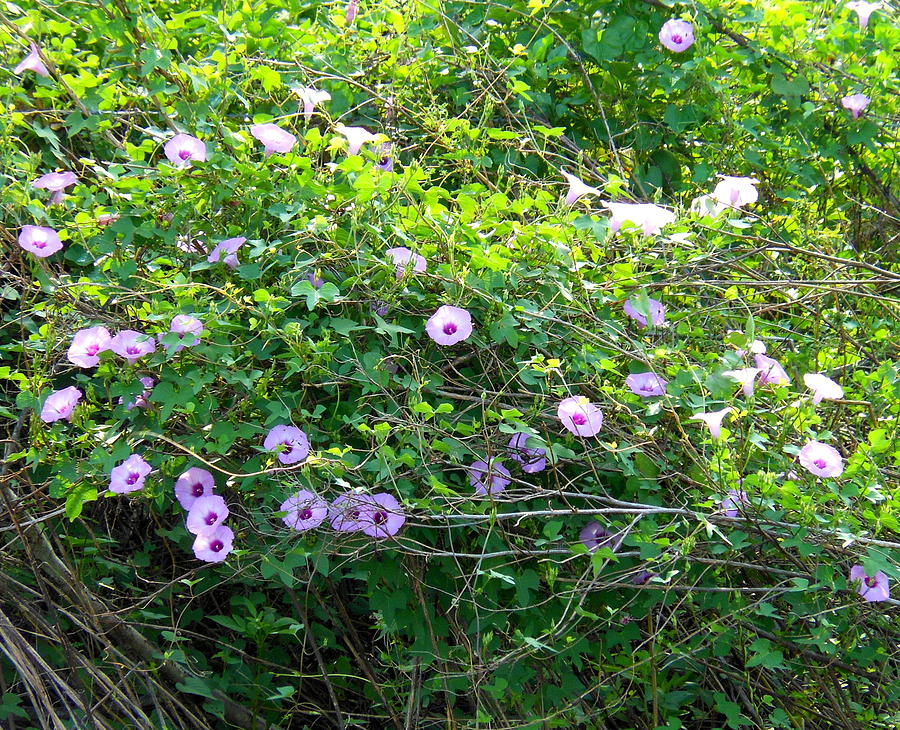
{"points": [[310, 98], [291, 444], [39, 240], [142, 400], [214, 546], [823, 387], [229, 248], [863, 11], [646, 385], [183, 149], [642, 578], [657, 312], [449, 325], [731, 503], [713, 421], [532, 459], [488, 478], [856, 104], [59, 405], [87, 344], [32, 62], [821, 459], [595, 536], [132, 345], [129, 476], [56, 183], [676, 35], [872, 588], [646, 216], [192, 485], [188, 330], [348, 511], [273, 137], [351, 12], [317, 281], [577, 188], [206, 514], [356, 137], [745, 376], [580, 416], [406, 260], [770, 371], [383, 515], [305, 510]]}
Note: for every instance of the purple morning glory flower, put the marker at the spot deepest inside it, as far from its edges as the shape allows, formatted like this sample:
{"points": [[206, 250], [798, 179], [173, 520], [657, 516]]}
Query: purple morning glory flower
{"points": [[487, 478], [87, 344], [821, 459], [60, 404], [736, 192], [229, 248], [580, 416], [713, 421], [449, 325], [347, 512], [863, 11], [317, 281], [273, 137], [382, 309], [305, 510], [56, 183], [646, 385], [206, 514], [382, 515], [214, 546], [385, 158], [188, 330], [657, 312], [595, 536], [642, 578], [32, 62], [356, 137], [646, 216], [192, 485], [132, 345], [39, 240], [872, 588], [291, 443], [183, 149], [676, 35], [733, 500], [577, 188], [823, 387], [406, 260], [770, 371], [142, 400], [311, 98], [351, 12], [532, 459], [856, 104], [129, 475]]}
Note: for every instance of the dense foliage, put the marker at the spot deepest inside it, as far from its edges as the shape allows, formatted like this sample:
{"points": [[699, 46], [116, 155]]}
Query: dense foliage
{"points": [[657, 572]]}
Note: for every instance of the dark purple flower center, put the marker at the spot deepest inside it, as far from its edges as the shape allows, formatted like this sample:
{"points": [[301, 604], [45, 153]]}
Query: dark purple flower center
{"points": [[821, 463], [288, 447], [384, 161], [197, 490], [92, 350], [647, 387], [133, 350], [211, 518], [216, 546], [449, 328], [305, 514], [677, 39], [132, 478], [380, 517], [39, 243], [579, 419], [184, 154], [355, 514], [871, 581]]}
